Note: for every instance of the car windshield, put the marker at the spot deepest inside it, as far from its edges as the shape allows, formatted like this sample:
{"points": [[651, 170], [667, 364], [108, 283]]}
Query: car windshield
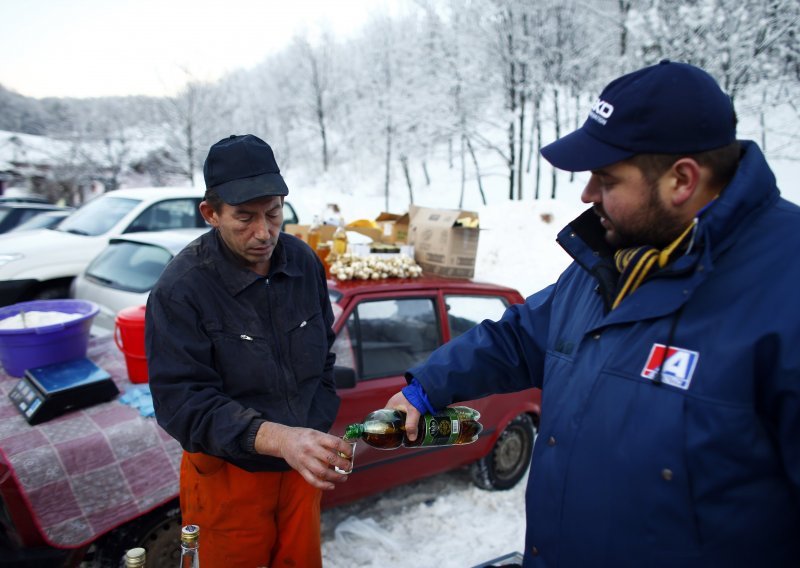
{"points": [[98, 215], [129, 266]]}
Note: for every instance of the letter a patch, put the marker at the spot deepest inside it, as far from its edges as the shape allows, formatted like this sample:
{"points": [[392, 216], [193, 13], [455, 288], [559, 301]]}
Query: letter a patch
{"points": [[678, 365]]}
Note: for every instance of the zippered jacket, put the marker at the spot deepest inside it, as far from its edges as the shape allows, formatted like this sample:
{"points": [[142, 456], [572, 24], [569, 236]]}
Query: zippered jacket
{"points": [[228, 349], [670, 426]]}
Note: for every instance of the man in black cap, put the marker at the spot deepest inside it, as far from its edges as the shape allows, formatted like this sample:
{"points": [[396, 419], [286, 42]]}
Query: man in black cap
{"points": [[667, 353], [238, 334]]}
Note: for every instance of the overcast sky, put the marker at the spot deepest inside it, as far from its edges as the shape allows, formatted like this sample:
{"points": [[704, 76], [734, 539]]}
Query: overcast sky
{"points": [[86, 48]]}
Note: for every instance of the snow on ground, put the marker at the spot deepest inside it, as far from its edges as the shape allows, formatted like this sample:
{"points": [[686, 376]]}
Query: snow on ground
{"points": [[442, 521]]}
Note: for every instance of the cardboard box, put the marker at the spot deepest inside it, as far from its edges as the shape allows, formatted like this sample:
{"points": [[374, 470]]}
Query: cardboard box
{"points": [[441, 245], [394, 227]]}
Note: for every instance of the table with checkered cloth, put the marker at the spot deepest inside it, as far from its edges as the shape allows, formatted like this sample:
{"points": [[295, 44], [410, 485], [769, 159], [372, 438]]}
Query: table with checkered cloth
{"points": [[88, 471]]}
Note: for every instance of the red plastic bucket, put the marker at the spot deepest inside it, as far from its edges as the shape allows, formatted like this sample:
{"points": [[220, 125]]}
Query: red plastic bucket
{"points": [[129, 337]]}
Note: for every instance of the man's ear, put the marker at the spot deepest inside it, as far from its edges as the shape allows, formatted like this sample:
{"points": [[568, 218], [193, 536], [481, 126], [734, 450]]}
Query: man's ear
{"points": [[685, 181], [209, 214]]}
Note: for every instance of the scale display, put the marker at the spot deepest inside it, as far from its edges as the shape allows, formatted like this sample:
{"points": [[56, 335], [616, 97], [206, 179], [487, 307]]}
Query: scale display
{"points": [[49, 391]]}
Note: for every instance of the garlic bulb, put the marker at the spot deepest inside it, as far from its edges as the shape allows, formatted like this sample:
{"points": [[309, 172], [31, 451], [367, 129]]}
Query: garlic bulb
{"points": [[373, 267]]}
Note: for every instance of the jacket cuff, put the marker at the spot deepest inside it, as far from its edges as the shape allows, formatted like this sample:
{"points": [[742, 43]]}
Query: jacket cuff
{"points": [[248, 439], [415, 394]]}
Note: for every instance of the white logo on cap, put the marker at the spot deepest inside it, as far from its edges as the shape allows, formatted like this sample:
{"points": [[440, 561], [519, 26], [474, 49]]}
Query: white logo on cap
{"points": [[601, 111]]}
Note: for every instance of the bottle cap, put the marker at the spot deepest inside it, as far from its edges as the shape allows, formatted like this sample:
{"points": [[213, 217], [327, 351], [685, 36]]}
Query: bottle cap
{"points": [[135, 553], [189, 533]]}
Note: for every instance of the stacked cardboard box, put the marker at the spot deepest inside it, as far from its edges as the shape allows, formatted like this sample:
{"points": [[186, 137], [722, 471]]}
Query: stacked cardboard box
{"points": [[445, 240]]}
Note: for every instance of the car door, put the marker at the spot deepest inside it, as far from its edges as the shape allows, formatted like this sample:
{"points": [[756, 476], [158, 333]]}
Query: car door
{"points": [[380, 338]]}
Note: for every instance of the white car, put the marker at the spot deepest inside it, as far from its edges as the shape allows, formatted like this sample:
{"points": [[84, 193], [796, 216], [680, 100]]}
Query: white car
{"points": [[122, 275], [41, 264]]}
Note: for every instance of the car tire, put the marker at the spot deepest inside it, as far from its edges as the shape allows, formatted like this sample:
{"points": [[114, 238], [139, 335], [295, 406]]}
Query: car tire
{"points": [[508, 461], [158, 532]]}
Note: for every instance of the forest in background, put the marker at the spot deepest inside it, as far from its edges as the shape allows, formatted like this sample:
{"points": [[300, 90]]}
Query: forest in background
{"points": [[482, 83]]}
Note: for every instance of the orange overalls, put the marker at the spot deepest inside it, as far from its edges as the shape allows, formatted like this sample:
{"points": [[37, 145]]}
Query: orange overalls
{"points": [[247, 519]]}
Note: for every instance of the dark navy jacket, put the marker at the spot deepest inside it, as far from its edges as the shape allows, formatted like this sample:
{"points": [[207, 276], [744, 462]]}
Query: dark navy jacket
{"points": [[698, 466], [228, 349]]}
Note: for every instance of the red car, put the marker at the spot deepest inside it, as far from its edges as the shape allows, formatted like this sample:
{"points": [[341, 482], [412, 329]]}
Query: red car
{"points": [[387, 326], [383, 327]]}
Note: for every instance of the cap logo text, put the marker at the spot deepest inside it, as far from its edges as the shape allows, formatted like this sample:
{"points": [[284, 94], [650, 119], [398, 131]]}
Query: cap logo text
{"points": [[601, 111]]}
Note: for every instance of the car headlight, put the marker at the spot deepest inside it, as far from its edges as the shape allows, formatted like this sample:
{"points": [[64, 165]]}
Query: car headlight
{"points": [[5, 258]]}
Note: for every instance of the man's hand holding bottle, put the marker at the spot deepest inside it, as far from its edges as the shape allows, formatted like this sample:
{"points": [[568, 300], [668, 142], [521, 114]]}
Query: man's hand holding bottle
{"points": [[401, 403]]}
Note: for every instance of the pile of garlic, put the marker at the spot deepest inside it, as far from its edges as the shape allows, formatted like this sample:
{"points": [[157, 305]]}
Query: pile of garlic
{"points": [[353, 267]]}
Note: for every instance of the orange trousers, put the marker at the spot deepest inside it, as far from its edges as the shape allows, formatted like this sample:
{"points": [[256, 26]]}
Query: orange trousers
{"points": [[250, 520]]}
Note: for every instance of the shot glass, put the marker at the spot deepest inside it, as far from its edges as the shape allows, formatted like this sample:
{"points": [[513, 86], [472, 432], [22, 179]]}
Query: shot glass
{"points": [[352, 444]]}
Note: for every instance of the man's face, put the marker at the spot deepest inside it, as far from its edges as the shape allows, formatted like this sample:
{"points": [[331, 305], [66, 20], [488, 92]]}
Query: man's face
{"points": [[250, 230], [632, 211]]}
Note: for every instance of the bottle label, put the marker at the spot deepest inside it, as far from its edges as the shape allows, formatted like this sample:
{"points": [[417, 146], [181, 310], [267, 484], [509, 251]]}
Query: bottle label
{"points": [[441, 429]]}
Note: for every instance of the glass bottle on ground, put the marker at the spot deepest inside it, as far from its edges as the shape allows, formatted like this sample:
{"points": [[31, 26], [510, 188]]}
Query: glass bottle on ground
{"points": [[190, 555], [135, 558]]}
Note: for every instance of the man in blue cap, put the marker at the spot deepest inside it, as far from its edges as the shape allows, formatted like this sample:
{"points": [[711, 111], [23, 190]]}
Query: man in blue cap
{"points": [[667, 352], [238, 335]]}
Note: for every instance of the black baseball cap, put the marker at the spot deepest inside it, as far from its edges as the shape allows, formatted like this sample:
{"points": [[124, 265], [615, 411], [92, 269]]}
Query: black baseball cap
{"points": [[241, 168], [668, 108]]}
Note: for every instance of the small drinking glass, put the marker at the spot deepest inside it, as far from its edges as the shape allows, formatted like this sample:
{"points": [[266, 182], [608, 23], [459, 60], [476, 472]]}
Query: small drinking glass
{"points": [[352, 444]]}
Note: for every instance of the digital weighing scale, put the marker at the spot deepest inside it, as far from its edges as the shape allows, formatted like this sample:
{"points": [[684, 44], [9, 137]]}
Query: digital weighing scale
{"points": [[51, 390]]}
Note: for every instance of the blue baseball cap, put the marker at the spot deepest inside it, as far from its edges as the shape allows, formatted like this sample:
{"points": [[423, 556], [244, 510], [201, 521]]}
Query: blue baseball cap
{"points": [[668, 108], [241, 168]]}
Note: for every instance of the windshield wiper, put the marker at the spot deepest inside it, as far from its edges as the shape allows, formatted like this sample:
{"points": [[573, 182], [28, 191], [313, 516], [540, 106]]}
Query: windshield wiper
{"points": [[78, 232], [100, 279]]}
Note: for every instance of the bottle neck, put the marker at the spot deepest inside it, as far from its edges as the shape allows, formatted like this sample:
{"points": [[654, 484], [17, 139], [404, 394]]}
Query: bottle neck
{"points": [[353, 431]]}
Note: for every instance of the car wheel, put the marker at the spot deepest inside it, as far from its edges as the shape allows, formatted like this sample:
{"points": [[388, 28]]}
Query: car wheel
{"points": [[158, 532], [509, 459]]}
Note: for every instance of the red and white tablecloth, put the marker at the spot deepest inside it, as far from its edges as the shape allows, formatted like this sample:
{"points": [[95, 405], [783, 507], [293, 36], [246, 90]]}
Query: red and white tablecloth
{"points": [[89, 471]]}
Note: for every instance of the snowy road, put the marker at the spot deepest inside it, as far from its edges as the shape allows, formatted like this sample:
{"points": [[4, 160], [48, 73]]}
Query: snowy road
{"points": [[443, 521]]}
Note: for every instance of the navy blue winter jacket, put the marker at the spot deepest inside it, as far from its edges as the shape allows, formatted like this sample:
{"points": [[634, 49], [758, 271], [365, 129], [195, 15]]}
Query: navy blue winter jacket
{"points": [[695, 466]]}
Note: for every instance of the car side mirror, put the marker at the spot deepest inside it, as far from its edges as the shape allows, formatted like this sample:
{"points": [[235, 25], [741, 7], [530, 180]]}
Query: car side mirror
{"points": [[344, 377]]}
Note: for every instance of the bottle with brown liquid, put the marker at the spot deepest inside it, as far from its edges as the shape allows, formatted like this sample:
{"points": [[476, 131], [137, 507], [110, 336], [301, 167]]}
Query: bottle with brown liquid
{"points": [[385, 429]]}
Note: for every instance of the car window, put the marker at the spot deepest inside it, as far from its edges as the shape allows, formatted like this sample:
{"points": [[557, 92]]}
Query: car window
{"points": [[97, 216], [465, 312], [382, 338], [170, 214], [289, 215], [133, 267]]}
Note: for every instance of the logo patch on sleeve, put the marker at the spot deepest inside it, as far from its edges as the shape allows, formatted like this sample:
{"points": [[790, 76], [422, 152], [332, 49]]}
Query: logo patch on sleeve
{"points": [[678, 368]]}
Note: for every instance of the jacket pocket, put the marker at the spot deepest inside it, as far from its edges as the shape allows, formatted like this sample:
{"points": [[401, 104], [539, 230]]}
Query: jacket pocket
{"points": [[246, 362], [308, 346]]}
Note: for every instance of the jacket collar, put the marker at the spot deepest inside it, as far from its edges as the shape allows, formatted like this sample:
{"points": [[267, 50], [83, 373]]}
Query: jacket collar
{"points": [[751, 191], [234, 276]]}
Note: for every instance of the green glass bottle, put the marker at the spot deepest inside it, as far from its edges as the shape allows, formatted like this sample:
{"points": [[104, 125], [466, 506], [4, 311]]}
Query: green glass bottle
{"points": [[385, 429]]}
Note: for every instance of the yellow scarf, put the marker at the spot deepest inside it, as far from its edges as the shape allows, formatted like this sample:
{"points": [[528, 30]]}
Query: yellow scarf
{"points": [[637, 263]]}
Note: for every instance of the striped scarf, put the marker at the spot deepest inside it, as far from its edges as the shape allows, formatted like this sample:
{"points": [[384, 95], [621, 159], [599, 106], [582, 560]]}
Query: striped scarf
{"points": [[637, 263]]}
